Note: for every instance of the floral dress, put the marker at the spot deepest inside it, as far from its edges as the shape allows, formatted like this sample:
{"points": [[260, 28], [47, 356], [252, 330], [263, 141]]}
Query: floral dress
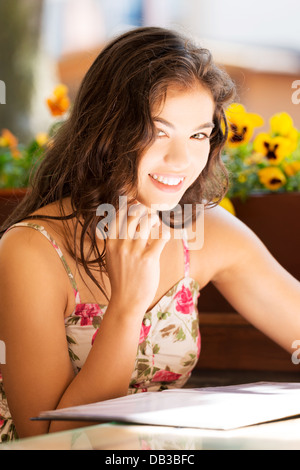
{"points": [[169, 344]]}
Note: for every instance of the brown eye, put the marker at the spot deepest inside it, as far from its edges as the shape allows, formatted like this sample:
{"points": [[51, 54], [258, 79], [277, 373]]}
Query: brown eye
{"points": [[200, 136]]}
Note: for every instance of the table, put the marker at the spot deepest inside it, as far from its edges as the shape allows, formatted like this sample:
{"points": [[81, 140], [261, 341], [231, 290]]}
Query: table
{"points": [[279, 435]]}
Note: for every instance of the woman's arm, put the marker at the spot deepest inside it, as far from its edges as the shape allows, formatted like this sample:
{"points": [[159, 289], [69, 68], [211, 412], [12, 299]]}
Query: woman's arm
{"points": [[33, 300], [38, 374], [252, 281]]}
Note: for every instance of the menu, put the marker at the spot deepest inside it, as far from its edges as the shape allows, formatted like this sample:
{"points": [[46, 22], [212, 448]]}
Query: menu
{"points": [[221, 408]]}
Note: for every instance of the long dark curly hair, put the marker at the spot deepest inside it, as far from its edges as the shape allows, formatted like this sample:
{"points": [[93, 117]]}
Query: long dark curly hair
{"points": [[94, 156]]}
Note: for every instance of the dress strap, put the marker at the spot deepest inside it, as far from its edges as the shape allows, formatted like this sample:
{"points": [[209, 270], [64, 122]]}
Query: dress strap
{"points": [[186, 253], [43, 231]]}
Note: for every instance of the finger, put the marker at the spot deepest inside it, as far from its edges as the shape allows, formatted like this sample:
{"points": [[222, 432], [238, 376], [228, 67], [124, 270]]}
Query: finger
{"points": [[158, 243], [121, 218], [117, 219], [135, 213], [145, 225]]}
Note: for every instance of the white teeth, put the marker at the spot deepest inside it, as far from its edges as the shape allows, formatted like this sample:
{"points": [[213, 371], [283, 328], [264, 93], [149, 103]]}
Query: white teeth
{"points": [[167, 181]]}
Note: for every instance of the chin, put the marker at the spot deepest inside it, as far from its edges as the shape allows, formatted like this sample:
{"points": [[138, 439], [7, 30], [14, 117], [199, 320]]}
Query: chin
{"points": [[167, 207], [155, 204], [158, 206]]}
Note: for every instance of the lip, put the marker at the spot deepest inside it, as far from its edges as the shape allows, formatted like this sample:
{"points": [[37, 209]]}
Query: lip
{"points": [[165, 188]]}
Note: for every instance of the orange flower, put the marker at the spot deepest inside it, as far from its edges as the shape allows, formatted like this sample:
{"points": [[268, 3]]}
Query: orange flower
{"points": [[7, 139], [59, 103]]}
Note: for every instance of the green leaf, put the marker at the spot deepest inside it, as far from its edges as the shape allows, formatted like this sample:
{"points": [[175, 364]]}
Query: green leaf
{"points": [[180, 335]]}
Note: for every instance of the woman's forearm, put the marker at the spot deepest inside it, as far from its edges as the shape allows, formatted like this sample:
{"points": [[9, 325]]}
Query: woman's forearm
{"points": [[108, 368]]}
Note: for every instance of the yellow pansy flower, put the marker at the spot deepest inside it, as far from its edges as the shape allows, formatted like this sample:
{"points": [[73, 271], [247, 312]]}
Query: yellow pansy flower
{"points": [[292, 168], [275, 149], [59, 103], [241, 124], [272, 177], [227, 204], [281, 124]]}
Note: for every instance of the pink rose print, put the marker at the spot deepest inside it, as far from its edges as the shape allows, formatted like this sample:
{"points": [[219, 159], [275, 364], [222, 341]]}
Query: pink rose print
{"points": [[165, 376], [144, 332], [185, 302], [1, 423], [76, 293], [186, 256], [54, 245], [87, 312]]}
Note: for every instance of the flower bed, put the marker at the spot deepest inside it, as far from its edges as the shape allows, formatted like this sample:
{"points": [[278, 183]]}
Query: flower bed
{"points": [[267, 164], [18, 161]]}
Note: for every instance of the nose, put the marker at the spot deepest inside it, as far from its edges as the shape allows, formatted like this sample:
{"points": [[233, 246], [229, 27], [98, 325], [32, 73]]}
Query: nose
{"points": [[177, 155]]}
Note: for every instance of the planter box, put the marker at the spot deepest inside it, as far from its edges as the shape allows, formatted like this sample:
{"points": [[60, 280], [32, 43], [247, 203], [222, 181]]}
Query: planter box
{"points": [[9, 199], [229, 341], [275, 218]]}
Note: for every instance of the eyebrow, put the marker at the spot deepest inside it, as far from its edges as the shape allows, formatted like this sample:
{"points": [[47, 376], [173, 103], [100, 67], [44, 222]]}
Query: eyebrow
{"points": [[169, 124]]}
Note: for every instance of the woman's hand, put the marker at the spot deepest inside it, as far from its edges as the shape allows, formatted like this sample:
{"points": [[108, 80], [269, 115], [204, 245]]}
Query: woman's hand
{"points": [[132, 256]]}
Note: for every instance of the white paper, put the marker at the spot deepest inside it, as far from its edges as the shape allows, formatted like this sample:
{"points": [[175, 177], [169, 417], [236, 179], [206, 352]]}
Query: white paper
{"points": [[222, 408]]}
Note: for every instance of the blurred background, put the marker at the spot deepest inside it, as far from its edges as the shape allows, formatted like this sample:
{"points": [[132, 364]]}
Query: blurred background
{"points": [[45, 42]]}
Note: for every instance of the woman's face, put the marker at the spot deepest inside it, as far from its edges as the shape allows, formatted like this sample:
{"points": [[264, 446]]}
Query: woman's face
{"points": [[180, 151]]}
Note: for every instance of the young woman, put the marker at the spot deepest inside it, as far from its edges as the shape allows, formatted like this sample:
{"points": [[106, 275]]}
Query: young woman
{"points": [[87, 317]]}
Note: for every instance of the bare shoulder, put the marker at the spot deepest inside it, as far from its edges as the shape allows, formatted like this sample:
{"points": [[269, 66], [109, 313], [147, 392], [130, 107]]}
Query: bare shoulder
{"points": [[29, 267], [227, 241], [22, 243], [217, 218]]}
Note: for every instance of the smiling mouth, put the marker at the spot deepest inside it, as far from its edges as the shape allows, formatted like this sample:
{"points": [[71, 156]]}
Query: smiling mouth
{"points": [[167, 180], [167, 184]]}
